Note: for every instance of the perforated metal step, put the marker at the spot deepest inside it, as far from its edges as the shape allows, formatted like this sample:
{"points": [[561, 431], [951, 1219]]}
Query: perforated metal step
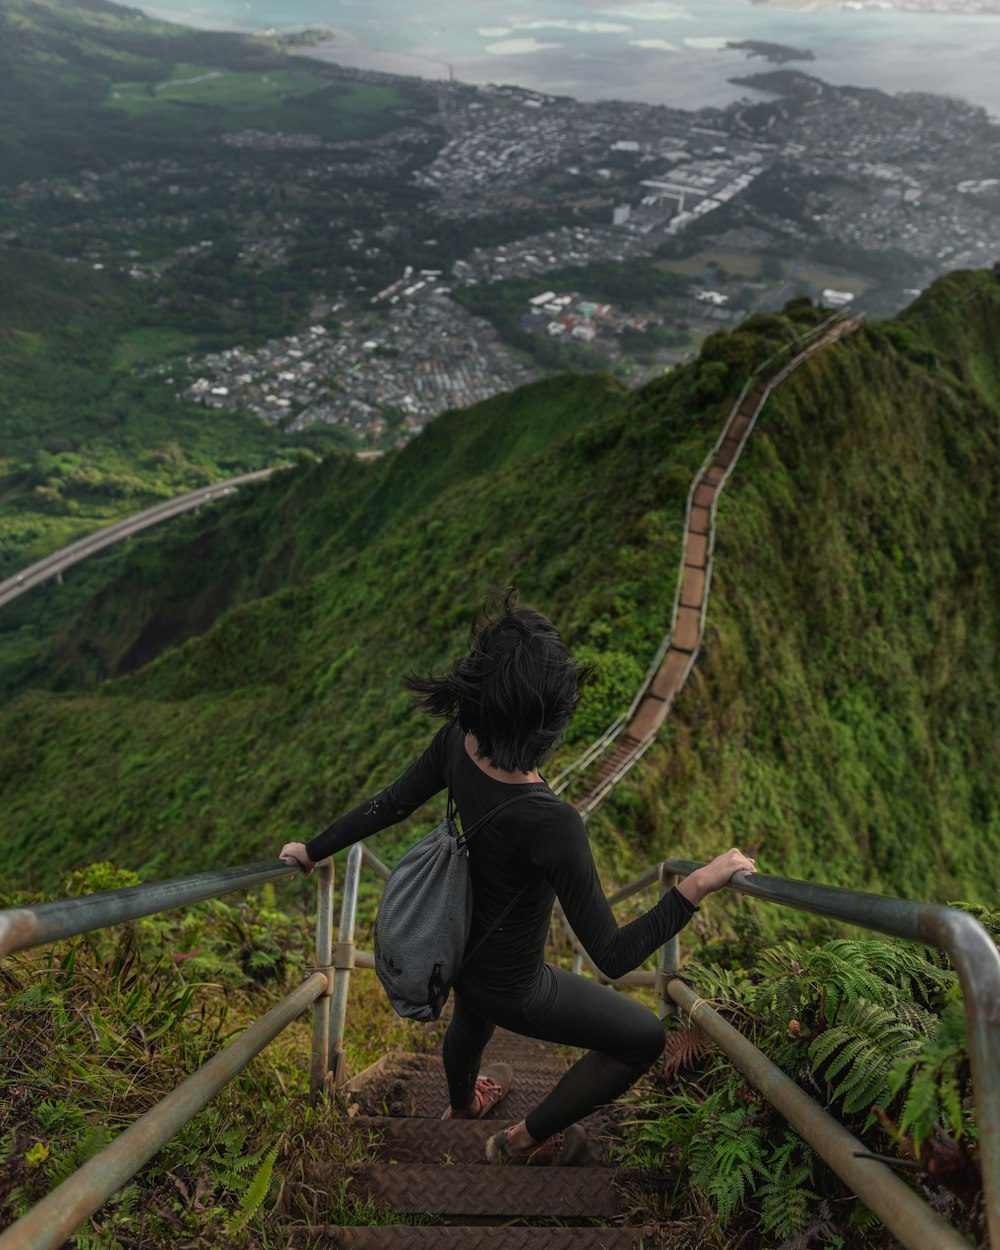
{"points": [[474, 1237], [398, 1140], [485, 1190]]}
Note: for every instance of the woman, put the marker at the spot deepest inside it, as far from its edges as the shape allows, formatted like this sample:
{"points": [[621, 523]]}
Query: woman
{"points": [[507, 705]]}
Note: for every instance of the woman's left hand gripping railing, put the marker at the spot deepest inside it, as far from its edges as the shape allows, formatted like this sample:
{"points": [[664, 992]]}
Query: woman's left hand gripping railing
{"points": [[49, 1223]]}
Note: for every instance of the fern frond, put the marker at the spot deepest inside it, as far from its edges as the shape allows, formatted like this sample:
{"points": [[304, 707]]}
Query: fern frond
{"points": [[935, 1094], [861, 1049], [684, 1049], [787, 1205], [255, 1192]]}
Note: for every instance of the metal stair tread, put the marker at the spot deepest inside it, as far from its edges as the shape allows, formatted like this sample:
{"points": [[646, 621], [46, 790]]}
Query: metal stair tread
{"points": [[410, 1140], [472, 1237], [480, 1189], [415, 1086]]}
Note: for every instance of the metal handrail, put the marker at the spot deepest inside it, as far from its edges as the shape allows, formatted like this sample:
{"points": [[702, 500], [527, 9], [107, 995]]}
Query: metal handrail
{"points": [[61, 1212], [899, 1207], [972, 952], [24, 927], [975, 958], [51, 1221]]}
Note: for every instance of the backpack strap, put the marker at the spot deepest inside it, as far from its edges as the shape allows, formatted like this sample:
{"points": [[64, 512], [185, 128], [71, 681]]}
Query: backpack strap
{"points": [[493, 928], [462, 839]]}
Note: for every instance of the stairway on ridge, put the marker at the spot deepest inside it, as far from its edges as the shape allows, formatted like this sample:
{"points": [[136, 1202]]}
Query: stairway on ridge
{"points": [[423, 1165], [605, 766]]}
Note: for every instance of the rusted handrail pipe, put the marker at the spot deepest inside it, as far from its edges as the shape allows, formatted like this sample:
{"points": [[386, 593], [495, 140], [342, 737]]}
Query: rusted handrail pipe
{"points": [[24, 927], [975, 958], [899, 1208], [60, 1213]]}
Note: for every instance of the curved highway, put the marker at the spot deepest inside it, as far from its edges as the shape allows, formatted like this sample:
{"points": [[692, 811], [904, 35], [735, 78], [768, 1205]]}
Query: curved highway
{"points": [[56, 563]]}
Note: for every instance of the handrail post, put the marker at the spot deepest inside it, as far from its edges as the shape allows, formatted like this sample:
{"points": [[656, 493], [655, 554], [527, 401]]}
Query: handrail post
{"points": [[975, 958], [324, 962], [343, 962], [670, 951]]}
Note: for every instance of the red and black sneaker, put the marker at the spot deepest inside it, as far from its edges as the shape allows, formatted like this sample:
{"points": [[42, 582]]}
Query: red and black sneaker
{"points": [[559, 1150], [492, 1084]]}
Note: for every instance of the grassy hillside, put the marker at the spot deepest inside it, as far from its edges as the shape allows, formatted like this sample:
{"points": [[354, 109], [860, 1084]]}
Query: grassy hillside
{"points": [[119, 611], [843, 718], [842, 721], [288, 706]]}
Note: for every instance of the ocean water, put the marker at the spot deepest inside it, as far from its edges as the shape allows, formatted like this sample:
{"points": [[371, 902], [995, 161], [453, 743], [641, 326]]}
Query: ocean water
{"points": [[653, 50]]}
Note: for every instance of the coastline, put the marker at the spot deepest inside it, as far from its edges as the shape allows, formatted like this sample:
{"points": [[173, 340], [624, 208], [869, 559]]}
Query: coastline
{"points": [[895, 46], [936, 8]]}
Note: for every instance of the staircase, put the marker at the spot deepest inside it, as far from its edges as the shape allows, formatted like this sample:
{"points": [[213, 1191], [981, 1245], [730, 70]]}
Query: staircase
{"points": [[425, 1166]]}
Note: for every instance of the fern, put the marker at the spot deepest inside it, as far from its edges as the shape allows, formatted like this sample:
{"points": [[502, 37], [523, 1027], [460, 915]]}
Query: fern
{"points": [[786, 1201], [94, 1241], [725, 1156], [934, 1096], [862, 1046], [126, 1202], [255, 1192], [819, 1231], [684, 1049], [786, 1205], [818, 983], [57, 1116], [724, 986], [91, 1142]]}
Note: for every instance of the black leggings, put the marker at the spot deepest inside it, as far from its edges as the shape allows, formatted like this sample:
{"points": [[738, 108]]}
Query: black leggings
{"points": [[623, 1039]]}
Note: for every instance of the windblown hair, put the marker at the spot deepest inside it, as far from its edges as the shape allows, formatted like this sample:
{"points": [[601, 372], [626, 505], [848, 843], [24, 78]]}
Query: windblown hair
{"points": [[515, 690]]}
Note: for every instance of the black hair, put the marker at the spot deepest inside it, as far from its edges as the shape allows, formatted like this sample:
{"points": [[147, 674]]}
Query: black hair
{"points": [[515, 690]]}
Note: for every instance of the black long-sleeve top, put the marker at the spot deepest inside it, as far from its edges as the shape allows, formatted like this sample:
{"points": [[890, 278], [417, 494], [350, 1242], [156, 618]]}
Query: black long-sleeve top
{"points": [[539, 841]]}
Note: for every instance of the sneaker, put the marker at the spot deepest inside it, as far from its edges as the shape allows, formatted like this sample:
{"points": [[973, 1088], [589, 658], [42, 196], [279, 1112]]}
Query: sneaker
{"points": [[559, 1150], [492, 1084]]}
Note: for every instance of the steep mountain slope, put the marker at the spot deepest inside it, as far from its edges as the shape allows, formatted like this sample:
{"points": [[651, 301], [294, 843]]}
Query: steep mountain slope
{"points": [[844, 714], [843, 717], [121, 610]]}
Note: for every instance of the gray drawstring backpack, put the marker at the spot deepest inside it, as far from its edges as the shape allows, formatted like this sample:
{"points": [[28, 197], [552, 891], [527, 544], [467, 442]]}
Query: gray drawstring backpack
{"points": [[423, 921]]}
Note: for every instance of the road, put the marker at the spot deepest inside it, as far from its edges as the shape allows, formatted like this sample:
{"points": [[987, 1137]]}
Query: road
{"points": [[52, 565]]}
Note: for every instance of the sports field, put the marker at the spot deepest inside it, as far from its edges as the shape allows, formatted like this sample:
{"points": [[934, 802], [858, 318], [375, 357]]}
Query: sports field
{"points": [[290, 99]]}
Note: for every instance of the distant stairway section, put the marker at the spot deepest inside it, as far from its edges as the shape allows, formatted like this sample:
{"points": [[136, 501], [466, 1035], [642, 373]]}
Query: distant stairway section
{"points": [[607, 761]]}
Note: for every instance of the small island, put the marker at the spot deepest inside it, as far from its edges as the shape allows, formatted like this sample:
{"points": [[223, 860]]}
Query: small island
{"points": [[776, 53]]}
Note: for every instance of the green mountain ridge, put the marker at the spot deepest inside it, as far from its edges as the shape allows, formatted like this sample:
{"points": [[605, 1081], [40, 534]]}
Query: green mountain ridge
{"points": [[842, 718], [119, 611]]}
